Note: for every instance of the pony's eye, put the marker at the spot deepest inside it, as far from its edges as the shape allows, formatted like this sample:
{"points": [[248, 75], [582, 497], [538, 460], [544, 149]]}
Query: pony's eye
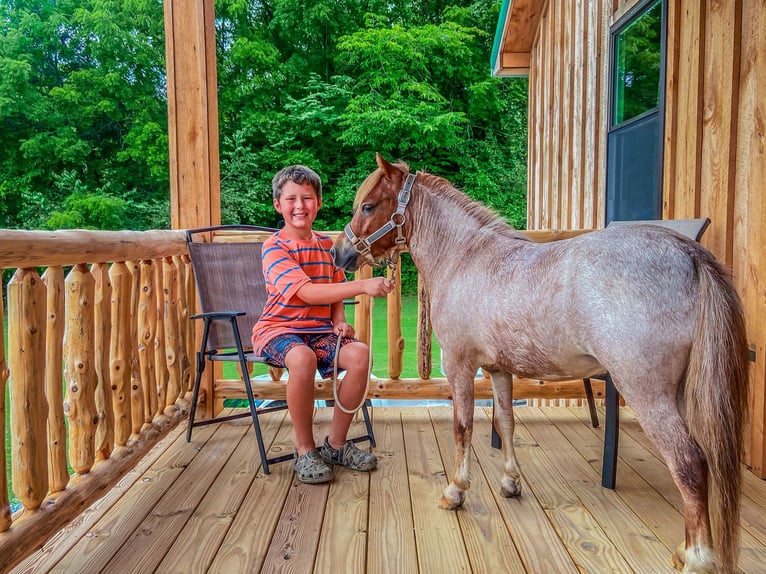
{"points": [[368, 209]]}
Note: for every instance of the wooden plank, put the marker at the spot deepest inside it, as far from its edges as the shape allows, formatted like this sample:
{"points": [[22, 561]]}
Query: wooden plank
{"points": [[109, 533], [480, 520], [200, 538], [527, 521], [145, 547], [669, 149], [667, 524], [581, 510], [293, 547], [750, 213], [565, 124], [245, 546], [688, 137], [83, 525], [578, 42], [343, 539], [391, 542], [439, 540], [720, 96]]}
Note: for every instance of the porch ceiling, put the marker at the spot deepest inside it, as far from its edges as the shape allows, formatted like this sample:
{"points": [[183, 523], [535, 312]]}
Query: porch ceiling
{"points": [[515, 33]]}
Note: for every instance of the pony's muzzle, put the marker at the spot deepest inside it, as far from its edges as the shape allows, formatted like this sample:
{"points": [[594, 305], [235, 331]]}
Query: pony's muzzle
{"points": [[344, 255]]}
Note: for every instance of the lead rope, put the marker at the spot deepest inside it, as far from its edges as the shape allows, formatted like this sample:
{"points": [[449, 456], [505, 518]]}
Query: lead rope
{"points": [[392, 263]]}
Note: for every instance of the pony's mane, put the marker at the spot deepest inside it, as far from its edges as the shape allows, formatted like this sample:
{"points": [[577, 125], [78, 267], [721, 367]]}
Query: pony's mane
{"points": [[484, 216]]}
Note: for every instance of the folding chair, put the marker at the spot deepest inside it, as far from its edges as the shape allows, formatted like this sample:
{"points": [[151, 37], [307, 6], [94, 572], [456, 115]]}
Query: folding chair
{"points": [[232, 293], [692, 228]]}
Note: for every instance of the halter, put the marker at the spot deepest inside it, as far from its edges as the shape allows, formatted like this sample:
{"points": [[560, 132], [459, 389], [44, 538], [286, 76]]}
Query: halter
{"points": [[363, 245]]}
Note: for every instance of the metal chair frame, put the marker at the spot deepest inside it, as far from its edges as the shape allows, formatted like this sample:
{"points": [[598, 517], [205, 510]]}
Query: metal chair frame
{"points": [[230, 320]]}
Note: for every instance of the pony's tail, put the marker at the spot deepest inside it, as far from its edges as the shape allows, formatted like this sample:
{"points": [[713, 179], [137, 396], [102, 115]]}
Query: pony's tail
{"points": [[716, 395]]}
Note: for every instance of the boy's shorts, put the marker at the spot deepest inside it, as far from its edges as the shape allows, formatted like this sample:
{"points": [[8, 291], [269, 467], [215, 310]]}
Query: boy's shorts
{"points": [[323, 345]]}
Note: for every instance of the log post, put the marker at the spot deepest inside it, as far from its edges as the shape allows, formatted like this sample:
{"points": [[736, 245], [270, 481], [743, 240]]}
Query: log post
{"points": [[183, 322], [191, 299], [147, 327], [170, 288], [192, 84], [29, 410], [424, 332], [394, 314], [160, 363], [5, 505], [102, 318], [136, 386], [362, 309], [58, 473], [120, 352], [79, 368]]}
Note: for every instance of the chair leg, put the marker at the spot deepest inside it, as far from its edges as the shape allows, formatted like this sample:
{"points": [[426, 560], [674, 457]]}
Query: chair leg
{"points": [[367, 422], [198, 379], [496, 441], [611, 435], [591, 402]]}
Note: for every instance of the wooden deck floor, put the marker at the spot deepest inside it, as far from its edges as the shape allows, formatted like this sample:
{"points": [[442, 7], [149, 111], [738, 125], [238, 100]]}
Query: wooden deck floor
{"points": [[206, 507]]}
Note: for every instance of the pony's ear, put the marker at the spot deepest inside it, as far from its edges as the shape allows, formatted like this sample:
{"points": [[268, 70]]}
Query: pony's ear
{"points": [[388, 168]]}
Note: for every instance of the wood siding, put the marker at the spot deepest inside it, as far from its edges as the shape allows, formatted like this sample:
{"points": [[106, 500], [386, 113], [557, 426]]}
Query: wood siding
{"points": [[567, 116], [714, 158]]}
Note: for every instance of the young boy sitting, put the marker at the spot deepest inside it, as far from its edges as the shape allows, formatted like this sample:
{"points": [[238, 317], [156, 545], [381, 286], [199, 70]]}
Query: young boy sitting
{"points": [[302, 320]]}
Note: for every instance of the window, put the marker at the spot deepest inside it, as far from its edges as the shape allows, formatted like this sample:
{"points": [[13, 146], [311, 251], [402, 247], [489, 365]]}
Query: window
{"points": [[634, 142]]}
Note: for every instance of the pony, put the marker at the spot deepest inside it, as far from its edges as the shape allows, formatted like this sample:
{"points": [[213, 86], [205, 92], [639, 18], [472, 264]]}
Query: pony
{"points": [[651, 307]]}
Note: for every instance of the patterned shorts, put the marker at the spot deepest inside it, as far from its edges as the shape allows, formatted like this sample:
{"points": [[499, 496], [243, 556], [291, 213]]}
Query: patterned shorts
{"points": [[323, 345]]}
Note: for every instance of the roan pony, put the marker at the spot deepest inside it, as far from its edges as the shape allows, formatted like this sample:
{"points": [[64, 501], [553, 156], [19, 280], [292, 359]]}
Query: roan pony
{"points": [[651, 307]]}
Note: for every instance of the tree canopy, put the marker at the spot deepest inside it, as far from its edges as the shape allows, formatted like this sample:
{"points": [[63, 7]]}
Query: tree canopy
{"points": [[326, 83]]}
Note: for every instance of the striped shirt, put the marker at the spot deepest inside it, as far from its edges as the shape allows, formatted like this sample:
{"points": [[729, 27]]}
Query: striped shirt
{"points": [[288, 264]]}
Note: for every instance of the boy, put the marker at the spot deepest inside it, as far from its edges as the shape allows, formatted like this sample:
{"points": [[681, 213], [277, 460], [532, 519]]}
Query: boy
{"points": [[302, 320]]}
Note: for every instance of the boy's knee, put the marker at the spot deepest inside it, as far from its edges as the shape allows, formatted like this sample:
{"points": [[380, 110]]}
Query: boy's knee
{"points": [[356, 355], [301, 358]]}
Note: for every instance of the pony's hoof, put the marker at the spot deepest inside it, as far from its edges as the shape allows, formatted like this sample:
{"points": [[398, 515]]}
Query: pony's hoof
{"points": [[510, 487], [452, 498], [695, 560], [677, 560]]}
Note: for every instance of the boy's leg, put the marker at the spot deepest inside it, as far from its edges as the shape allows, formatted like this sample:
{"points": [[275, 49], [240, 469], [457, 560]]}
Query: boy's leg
{"points": [[301, 364], [354, 359]]}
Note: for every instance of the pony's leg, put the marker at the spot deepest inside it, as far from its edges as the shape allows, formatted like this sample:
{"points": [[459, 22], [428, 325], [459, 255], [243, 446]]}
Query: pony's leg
{"points": [[663, 424], [502, 388], [461, 385]]}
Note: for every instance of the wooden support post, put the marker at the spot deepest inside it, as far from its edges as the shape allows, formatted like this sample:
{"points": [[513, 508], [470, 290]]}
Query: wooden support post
{"points": [[193, 127], [5, 506]]}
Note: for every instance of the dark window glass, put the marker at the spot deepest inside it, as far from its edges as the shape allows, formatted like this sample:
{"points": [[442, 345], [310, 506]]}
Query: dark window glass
{"points": [[638, 60]]}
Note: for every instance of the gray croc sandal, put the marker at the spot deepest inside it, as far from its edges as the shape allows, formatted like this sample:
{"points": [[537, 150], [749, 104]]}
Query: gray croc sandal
{"points": [[349, 456], [311, 469]]}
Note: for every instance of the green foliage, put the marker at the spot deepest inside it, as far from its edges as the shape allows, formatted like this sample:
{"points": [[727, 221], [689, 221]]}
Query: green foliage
{"points": [[326, 83]]}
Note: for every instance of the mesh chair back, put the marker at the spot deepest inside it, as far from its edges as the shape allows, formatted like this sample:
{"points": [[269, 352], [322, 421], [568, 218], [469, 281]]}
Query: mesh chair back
{"points": [[229, 277], [691, 228]]}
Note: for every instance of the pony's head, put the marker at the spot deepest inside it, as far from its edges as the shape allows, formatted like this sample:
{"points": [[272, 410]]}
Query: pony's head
{"points": [[376, 228]]}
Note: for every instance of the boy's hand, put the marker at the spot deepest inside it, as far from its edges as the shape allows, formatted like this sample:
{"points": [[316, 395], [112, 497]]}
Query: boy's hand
{"points": [[343, 330], [378, 286]]}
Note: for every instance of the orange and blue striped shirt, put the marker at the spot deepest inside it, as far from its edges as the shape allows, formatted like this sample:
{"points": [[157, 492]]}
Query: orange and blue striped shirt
{"points": [[288, 264]]}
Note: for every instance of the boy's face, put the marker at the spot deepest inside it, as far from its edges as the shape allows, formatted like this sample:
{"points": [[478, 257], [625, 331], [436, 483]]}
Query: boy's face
{"points": [[298, 205]]}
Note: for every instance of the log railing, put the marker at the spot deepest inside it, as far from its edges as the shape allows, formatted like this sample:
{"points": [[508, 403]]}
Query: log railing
{"points": [[98, 359]]}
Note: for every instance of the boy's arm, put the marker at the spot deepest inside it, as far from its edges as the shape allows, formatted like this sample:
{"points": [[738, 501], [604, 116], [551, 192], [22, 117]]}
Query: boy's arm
{"points": [[329, 293]]}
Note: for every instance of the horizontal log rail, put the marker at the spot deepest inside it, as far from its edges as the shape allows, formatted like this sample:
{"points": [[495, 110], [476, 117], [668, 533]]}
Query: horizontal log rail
{"points": [[99, 358]]}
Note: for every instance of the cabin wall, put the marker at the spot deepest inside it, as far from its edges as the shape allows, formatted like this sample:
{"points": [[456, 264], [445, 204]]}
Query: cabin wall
{"points": [[567, 116], [714, 160]]}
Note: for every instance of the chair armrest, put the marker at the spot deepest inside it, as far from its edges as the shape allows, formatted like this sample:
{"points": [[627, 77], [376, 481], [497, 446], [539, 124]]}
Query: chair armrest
{"points": [[217, 315]]}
